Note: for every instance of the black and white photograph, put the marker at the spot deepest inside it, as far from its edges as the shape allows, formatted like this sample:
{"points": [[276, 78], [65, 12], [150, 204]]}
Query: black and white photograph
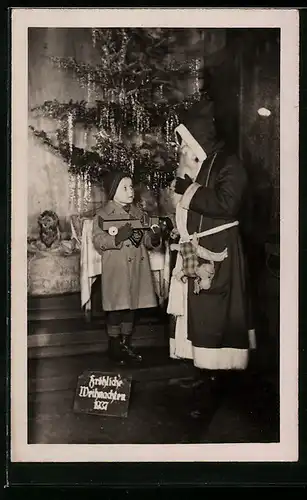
{"points": [[154, 234]]}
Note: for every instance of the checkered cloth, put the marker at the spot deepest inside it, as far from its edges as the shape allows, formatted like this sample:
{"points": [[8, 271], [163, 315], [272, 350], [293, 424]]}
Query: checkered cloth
{"points": [[189, 259]]}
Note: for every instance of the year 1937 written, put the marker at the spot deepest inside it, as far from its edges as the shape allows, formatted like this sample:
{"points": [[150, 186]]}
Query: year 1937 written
{"points": [[102, 398]]}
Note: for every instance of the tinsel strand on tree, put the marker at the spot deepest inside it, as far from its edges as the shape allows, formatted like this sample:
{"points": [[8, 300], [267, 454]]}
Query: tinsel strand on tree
{"points": [[136, 106]]}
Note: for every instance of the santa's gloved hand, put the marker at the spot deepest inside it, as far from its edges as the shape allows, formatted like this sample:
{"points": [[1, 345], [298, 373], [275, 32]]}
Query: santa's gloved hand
{"points": [[182, 184], [124, 233]]}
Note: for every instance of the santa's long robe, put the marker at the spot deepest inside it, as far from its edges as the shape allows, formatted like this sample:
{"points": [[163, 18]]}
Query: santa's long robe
{"points": [[213, 327]]}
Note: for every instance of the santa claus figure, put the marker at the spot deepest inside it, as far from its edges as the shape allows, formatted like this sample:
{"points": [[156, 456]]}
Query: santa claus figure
{"points": [[208, 293]]}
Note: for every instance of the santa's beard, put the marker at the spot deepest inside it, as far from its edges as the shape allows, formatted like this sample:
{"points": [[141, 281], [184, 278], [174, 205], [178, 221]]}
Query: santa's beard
{"points": [[174, 197], [181, 171], [185, 169]]}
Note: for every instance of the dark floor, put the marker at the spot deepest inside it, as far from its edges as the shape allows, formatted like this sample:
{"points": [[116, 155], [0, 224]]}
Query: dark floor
{"points": [[160, 409]]}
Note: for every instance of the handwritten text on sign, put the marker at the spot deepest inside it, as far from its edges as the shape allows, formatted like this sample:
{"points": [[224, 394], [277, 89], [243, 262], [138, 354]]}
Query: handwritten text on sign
{"points": [[105, 394]]}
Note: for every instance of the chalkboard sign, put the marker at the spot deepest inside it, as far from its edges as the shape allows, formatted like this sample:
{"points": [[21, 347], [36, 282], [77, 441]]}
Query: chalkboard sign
{"points": [[104, 394]]}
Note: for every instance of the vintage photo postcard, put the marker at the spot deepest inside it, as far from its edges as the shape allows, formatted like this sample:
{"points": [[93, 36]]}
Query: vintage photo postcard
{"points": [[154, 222]]}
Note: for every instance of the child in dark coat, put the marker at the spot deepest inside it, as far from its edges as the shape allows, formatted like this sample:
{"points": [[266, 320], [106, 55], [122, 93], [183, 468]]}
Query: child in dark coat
{"points": [[127, 283]]}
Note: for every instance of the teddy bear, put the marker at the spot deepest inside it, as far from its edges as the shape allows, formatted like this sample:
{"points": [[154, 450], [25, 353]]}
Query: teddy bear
{"points": [[50, 238], [203, 273], [49, 229]]}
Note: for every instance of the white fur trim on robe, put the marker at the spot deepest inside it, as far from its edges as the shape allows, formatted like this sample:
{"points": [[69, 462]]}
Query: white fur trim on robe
{"points": [[180, 347], [222, 358], [181, 223], [188, 195], [225, 358], [177, 293]]}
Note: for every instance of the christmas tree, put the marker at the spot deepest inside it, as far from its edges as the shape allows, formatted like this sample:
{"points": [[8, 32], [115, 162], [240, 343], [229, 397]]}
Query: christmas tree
{"points": [[136, 82]]}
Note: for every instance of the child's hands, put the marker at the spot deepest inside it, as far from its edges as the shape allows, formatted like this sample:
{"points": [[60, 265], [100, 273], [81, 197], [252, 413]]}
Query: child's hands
{"points": [[174, 234], [155, 239], [155, 236], [124, 233]]}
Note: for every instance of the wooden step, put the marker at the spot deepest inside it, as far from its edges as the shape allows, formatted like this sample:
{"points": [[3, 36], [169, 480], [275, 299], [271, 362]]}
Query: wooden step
{"points": [[65, 343], [47, 375], [68, 306], [58, 327], [51, 302]]}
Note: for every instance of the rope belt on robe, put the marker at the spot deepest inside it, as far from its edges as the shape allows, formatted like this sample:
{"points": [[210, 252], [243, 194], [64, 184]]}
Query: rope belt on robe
{"points": [[178, 287], [181, 347]]}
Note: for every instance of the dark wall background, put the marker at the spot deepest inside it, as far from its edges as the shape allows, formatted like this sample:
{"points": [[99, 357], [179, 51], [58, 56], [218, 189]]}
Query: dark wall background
{"points": [[245, 77]]}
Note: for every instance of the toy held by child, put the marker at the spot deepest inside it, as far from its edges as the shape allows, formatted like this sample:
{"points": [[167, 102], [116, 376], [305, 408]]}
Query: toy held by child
{"points": [[127, 283]]}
